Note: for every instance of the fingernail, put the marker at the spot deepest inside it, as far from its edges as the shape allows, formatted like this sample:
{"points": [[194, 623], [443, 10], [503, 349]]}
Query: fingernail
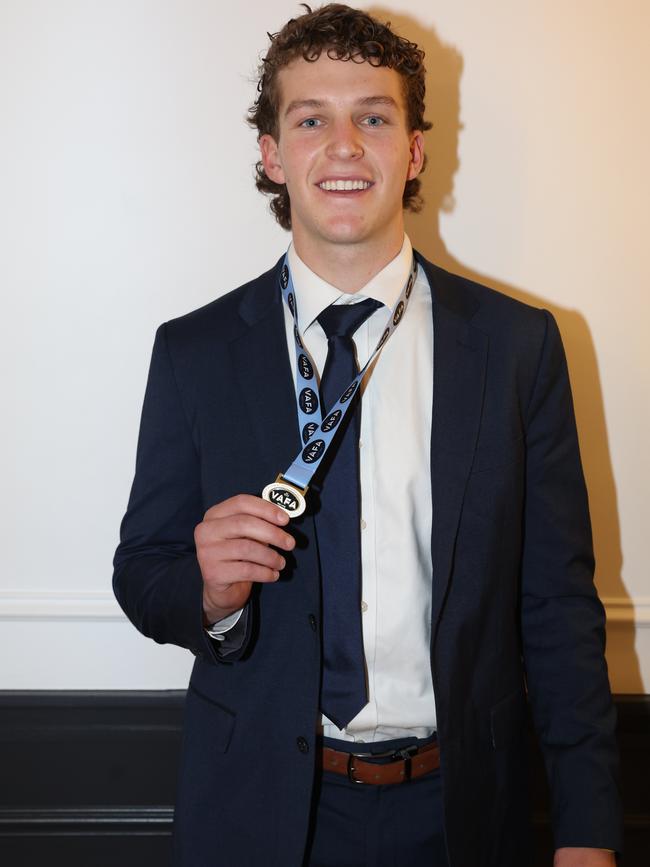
{"points": [[276, 575], [282, 517]]}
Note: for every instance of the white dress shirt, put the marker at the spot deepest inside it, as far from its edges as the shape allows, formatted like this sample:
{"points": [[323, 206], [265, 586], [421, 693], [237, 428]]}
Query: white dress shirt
{"points": [[395, 480]]}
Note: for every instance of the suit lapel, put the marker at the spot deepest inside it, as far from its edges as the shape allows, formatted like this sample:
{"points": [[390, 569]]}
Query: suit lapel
{"points": [[460, 359], [261, 364]]}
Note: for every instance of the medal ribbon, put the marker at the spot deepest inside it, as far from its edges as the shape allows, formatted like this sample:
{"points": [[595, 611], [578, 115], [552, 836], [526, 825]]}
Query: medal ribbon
{"points": [[317, 432]]}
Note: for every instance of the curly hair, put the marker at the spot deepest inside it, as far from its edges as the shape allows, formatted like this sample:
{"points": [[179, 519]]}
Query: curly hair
{"points": [[344, 34]]}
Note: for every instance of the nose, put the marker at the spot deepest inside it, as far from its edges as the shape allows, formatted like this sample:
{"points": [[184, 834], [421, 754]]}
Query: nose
{"points": [[345, 141]]}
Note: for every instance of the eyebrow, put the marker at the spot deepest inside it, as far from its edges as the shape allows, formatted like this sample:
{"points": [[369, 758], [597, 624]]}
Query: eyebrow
{"points": [[379, 100], [367, 101], [299, 104]]}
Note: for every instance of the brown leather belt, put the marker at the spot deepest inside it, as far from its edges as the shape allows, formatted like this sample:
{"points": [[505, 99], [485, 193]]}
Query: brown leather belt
{"points": [[403, 765]]}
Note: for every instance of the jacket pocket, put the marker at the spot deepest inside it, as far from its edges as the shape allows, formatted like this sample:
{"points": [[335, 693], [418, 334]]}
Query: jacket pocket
{"points": [[507, 719], [206, 719]]}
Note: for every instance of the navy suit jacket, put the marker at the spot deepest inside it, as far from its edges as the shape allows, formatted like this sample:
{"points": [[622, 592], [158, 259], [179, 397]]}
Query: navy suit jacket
{"points": [[515, 613]]}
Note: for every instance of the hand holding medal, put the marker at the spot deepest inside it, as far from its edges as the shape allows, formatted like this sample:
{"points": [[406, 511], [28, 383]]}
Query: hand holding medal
{"points": [[235, 547]]}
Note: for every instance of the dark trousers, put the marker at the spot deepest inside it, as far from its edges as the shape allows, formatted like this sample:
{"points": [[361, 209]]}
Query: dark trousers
{"points": [[355, 825]]}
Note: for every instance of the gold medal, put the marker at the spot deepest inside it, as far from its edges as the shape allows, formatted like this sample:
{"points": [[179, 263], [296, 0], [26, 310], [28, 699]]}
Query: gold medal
{"points": [[287, 496]]}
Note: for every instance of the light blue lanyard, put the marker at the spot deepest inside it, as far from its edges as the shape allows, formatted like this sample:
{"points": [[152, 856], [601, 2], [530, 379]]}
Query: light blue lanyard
{"points": [[317, 433]]}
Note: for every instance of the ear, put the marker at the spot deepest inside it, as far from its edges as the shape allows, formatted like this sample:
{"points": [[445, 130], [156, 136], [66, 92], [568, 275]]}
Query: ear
{"points": [[271, 159], [417, 154]]}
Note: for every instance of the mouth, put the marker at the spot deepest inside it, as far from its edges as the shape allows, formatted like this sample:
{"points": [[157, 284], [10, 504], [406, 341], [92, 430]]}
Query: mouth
{"points": [[346, 185]]}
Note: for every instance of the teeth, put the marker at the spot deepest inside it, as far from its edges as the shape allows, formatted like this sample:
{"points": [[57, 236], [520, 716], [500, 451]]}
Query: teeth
{"points": [[341, 186]]}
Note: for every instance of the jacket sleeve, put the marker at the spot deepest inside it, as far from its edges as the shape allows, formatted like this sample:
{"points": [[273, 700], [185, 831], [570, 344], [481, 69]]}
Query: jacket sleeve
{"points": [[157, 579], [563, 622]]}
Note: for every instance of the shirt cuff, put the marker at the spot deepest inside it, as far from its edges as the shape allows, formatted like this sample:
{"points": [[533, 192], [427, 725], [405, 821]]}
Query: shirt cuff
{"points": [[219, 629]]}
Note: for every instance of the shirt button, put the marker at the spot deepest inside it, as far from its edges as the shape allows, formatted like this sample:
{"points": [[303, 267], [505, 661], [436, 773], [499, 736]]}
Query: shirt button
{"points": [[360, 741], [303, 746], [312, 622], [364, 607], [363, 524]]}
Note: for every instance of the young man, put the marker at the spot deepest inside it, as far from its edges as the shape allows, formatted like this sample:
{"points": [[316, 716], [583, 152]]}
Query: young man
{"points": [[359, 690]]}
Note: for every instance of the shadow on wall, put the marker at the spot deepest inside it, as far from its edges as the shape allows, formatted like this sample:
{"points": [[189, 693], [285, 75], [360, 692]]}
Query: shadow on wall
{"points": [[444, 70]]}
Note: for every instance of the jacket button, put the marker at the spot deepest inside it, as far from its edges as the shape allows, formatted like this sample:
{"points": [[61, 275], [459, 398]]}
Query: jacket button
{"points": [[312, 622], [303, 746]]}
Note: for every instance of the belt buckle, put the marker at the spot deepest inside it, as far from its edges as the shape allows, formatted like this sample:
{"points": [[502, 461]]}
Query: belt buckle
{"points": [[351, 769]]}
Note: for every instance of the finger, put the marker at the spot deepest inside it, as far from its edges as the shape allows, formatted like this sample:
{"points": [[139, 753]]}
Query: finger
{"points": [[247, 551], [247, 504], [243, 526], [234, 571]]}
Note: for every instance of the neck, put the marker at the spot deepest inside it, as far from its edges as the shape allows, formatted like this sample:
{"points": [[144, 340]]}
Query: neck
{"points": [[348, 267]]}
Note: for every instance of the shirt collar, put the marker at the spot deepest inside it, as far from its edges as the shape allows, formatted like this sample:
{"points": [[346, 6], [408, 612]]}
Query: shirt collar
{"points": [[314, 294]]}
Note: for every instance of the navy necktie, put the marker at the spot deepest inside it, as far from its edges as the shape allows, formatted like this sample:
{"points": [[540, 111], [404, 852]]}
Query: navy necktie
{"points": [[343, 691]]}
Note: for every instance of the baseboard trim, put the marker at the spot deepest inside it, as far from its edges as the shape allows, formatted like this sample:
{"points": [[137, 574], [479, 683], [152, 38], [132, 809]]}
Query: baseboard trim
{"points": [[67, 820]]}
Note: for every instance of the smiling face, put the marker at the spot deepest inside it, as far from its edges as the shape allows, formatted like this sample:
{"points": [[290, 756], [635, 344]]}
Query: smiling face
{"points": [[345, 152]]}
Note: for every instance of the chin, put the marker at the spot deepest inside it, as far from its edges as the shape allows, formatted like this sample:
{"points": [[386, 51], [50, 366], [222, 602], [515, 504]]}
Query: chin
{"points": [[345, 231]]}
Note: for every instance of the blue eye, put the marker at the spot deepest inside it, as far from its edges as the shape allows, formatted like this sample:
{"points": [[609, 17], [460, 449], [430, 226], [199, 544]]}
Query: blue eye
{"points": [[373, 120], [310, 122]]}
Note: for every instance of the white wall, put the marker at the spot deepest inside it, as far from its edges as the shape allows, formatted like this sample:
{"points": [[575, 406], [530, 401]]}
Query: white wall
{"points": [[126, 198]]}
